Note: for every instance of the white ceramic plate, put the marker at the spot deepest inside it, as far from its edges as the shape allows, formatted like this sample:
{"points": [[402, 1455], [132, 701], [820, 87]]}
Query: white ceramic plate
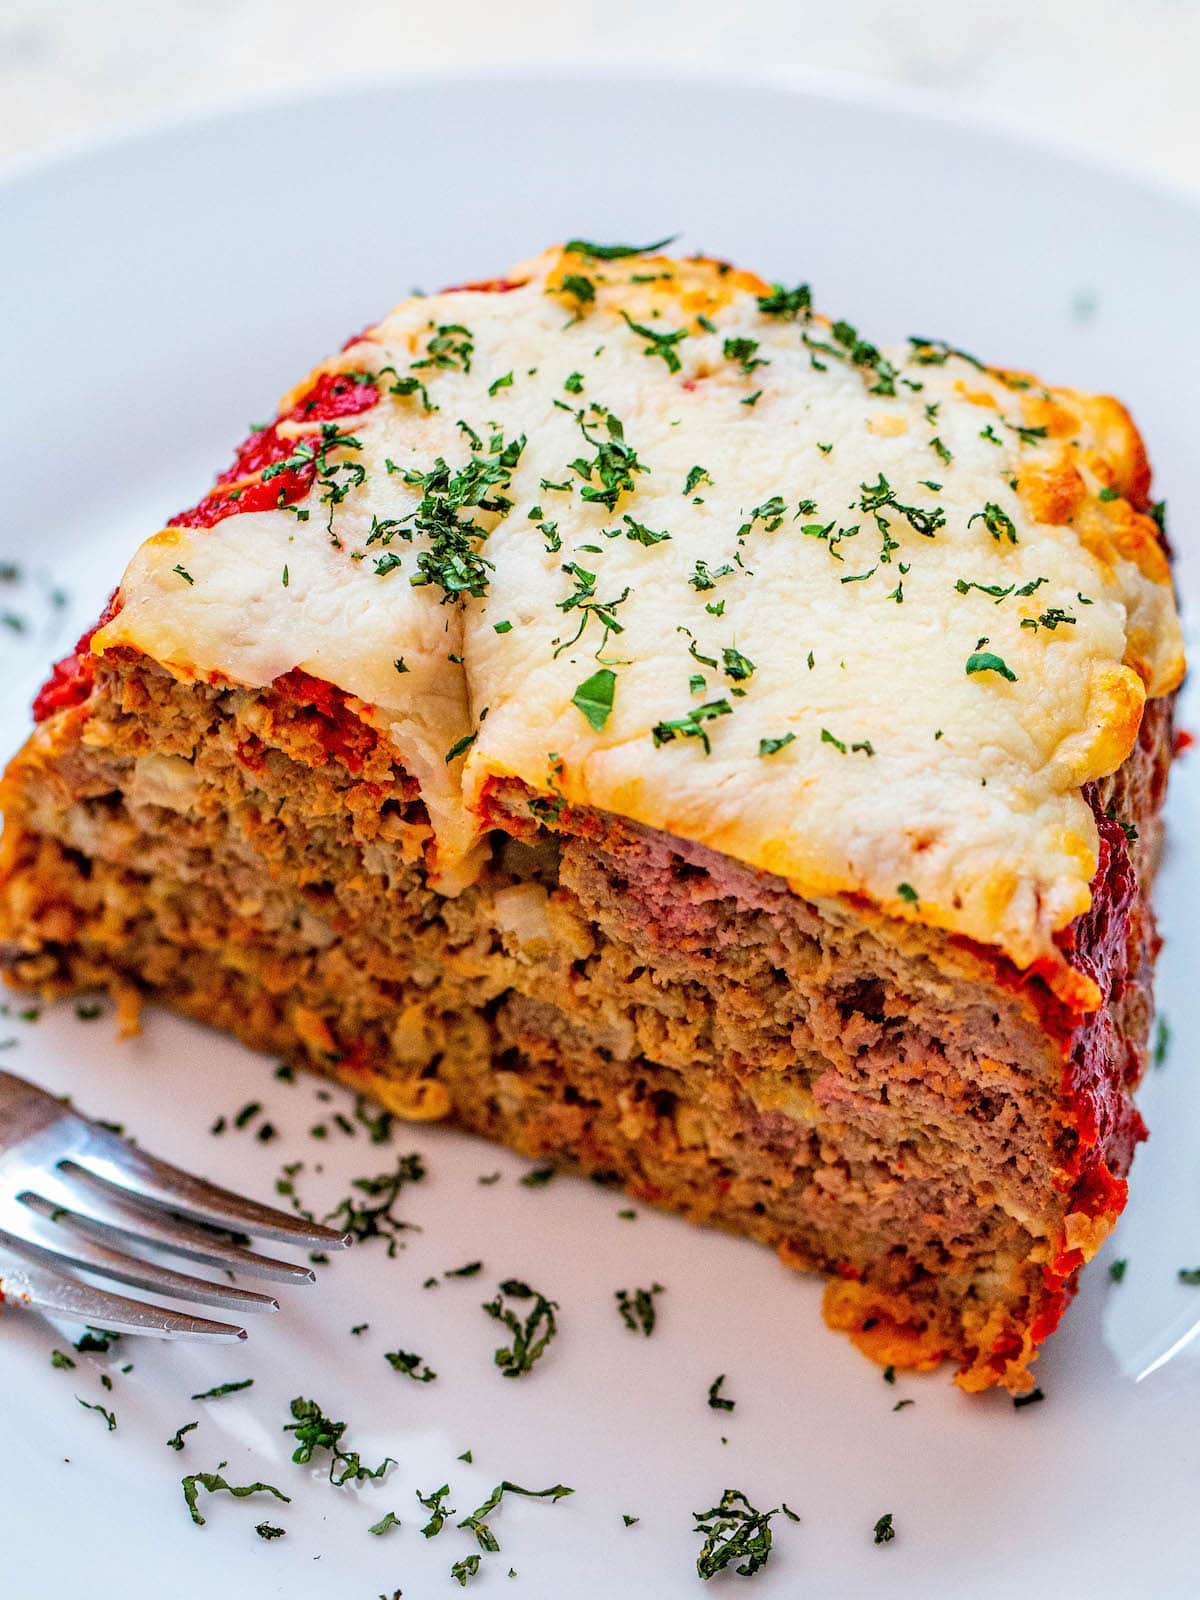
{"points": [[161, 290]]}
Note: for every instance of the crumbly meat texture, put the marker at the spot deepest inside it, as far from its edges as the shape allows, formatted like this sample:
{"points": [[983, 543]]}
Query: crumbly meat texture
{"points": [[894, 1107]]}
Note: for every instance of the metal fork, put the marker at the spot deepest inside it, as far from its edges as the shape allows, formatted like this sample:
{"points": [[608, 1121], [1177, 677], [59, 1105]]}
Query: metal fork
{"points": [[76, 1199]]}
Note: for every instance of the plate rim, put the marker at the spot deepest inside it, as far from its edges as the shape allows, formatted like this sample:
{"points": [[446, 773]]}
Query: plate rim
{"points": [[835, 87]]}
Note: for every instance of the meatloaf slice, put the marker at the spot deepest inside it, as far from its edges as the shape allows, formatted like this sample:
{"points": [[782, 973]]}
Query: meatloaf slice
{"points": [[628, 713]]}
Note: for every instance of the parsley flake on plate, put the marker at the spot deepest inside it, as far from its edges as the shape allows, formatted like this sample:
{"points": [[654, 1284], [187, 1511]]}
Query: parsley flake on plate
{"points": [[214, 1483], [529, 1337], [637, 1308], [733, 1531], [411, 1365]]}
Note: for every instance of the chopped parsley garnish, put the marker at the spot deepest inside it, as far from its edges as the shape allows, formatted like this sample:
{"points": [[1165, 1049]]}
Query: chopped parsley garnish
{"points": [[716, 1399], [737, 666], [529, 1337], [537, 1177], [942, 450], [616, 252], [1162, 1045], [1053, 617], [863, 745], [907, 893], [786, 303], [733, 1531], [964, 586], [705, 577], [407, 386], [315, 1431], [451, 346], [936, 352], [268, 1530], [637, 1308], [464, 1569], [885, 1532], [1188, 1275], [692, 725], [880, 496], [1116, 1270], [109, 1416], [224, 1388], [477, 1524], [771, 514], [997, 522], [573, 383], [435, 1503], [214, 1482], [659, 344], [1029, 436], [501, 627], [769, 747], [468, 1271], [628, 1520], [743, 352], [825, 531], [453, 561], [640, 533], [412, 1366], [613, 465], [858, 352], [504, 382], [583, 599], [986, 661], [59, 1359], [695, 478], [183, 573], [377, 1221], [583, 289], [459, 746]]}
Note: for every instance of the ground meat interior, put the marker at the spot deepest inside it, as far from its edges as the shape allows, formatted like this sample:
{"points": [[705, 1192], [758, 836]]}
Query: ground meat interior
{"points": [[872, 1099]]}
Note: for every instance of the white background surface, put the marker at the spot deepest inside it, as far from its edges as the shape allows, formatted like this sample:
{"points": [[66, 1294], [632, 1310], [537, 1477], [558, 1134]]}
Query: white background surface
{"points": [[1116, 75], [162, 304]]}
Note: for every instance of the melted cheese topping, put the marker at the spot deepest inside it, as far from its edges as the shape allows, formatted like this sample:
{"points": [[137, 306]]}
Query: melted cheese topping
{"points": [[865, 620]]}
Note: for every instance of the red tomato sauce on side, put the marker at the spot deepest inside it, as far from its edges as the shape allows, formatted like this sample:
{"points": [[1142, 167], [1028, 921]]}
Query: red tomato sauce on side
{"points": [[334, 395]]}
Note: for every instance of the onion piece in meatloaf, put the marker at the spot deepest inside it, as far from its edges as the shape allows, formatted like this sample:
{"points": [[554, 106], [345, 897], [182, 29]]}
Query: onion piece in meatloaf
{"points": [[623, 712]]}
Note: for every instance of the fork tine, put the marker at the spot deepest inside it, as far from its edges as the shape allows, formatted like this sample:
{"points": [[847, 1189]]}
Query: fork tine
{"points": [[84, 1253], [25, 1281], [157, 1181], [141, 1222]]}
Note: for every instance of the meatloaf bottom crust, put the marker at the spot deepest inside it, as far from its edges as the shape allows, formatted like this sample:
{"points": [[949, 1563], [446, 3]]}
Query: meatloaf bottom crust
{"points": [[894, 1107]]}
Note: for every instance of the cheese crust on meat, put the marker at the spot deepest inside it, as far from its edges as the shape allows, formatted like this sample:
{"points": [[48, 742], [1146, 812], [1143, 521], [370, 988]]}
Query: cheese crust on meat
{"points": [[652, 537]]}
